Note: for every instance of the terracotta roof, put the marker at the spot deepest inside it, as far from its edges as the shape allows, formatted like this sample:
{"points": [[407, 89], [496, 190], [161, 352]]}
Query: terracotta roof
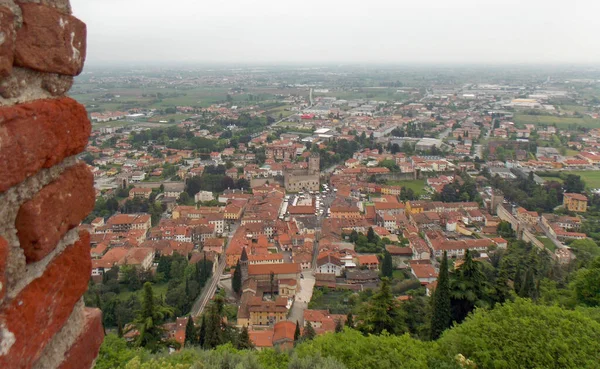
{"points": [[284, 268]]}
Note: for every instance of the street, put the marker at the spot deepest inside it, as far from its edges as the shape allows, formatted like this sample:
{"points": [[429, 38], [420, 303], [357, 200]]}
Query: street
{"points": [[302, 298]]}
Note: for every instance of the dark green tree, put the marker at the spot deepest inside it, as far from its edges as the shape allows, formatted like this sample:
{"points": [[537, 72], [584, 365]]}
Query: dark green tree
{"points": [[441, 317], [528, 289], [309, 332], [297, 332], [236, 280], [201, 334], [517, 280], [468, 288], [371, 237], [214, 324], [244, 342], [339, 326], [190, 331], [387, 267], [149, 321], [350, 320], [382, 312]]}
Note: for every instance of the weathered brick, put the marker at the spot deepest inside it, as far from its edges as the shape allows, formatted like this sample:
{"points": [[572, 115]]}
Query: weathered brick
{"points": [[58, 207], [50, 41], [40, 310], [7, 40], [39, 135], [83, 352], [3, 260]]}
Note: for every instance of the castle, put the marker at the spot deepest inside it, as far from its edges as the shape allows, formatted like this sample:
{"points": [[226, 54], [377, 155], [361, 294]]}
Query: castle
{"points": [[296, 180]]}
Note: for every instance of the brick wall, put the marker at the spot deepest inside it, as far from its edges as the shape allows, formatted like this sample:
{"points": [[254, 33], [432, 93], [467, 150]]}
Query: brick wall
{"points": [[44, 191]]}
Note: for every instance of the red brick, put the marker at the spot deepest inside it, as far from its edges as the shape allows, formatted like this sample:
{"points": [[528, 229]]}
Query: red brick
{"points": [[50, 41], [83, 352], [7, 47], [60, 206], [3, 259], [39, 135], [41, 309]]}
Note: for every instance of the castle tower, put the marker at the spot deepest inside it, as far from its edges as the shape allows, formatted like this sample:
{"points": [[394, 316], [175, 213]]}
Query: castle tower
{"points": [[314, 162], [244, 264]]}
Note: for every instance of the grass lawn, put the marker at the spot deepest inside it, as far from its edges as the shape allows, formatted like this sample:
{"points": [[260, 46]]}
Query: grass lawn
{"points": [[337, 301], [555, 179], [572, 152], [547, 243], [561, 122], [158, 289], [417, 185], [591, 177]]}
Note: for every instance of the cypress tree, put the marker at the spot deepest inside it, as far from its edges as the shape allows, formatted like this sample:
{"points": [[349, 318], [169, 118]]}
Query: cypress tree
{"points": [[297, 332], [441, 318], [190, 331], [201, 336], [339, 326], [528, 286], [517, 280], [236, 280], [309, 332], [350, 320], [387, 266], [244, 342]]}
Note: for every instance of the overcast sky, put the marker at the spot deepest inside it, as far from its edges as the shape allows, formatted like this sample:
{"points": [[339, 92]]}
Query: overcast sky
{"points": [[349, 31]]}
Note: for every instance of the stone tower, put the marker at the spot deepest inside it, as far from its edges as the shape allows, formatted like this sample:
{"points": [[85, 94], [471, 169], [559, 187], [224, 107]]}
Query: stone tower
{"points": [[244, 265], [314, 162]]}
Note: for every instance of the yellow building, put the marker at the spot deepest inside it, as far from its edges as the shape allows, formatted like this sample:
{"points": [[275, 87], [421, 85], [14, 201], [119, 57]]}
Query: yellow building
{"points": [[415, 207], [575, 202]]}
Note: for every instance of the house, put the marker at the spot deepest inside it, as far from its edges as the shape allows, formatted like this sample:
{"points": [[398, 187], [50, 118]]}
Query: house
{"points": [[140, 192], [575, 202], [359, 276], [400, 255], [203, 196], [329, 264], [369, 261], [425, 272]]}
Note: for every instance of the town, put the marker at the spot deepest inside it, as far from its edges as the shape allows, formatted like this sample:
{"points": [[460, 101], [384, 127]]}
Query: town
{"points": [[283, 200]]}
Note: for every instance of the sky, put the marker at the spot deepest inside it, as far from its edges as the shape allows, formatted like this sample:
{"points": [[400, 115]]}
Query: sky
{"points": [[349, 31]]}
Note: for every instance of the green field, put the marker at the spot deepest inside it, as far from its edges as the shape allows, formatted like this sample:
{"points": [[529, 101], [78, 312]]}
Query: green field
{"points": [[158, 289], [591, 177], [547, 243], [416, 185], [561, 122]]}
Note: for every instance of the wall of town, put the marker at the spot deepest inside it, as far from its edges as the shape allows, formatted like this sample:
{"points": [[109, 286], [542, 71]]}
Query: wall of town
{"points": [[44, 191]]}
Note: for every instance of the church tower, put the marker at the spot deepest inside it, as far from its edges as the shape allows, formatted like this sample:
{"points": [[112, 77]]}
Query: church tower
{"points": [[314, 162], [244, 264]]}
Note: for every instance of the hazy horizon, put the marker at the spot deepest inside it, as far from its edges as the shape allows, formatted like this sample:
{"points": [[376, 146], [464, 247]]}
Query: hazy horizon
{"points": [[452, 33]]}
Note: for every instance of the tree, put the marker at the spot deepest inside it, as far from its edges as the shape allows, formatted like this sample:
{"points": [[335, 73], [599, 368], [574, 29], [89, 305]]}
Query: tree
{"points": [[236, 280], [387, 267], [149, 320], [190, 331], [527, 289], [309, 332], [371, 237], [441, 318], [297, 332], [521, 334], [382, 313], [214, 324], [573, 184], [468, 288], [517, 282], [201, 335], [585, 284], [339, 326], [244, 342], [350, 320]]}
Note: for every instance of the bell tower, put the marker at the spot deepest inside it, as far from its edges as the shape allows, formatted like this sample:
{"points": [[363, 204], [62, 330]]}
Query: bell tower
{"points": [[314, 162]]}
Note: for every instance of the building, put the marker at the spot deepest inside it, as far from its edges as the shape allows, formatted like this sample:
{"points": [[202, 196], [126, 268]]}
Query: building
{"points": [[203, 196], [329, 264], [140, 192], [575, 202], [296, 180]]}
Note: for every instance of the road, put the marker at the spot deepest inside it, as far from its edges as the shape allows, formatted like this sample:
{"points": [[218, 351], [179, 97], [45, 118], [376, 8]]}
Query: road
{"points": [[555, 240], [302, 297], [445, 133], [209, 290], [479, 151]]}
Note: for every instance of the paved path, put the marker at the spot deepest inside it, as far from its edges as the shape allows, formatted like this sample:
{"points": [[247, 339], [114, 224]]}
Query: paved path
{"points": [[302, 297]]}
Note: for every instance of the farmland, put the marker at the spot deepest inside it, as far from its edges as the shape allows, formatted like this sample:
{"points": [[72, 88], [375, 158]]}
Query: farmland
{"points": [[560, 122]]}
